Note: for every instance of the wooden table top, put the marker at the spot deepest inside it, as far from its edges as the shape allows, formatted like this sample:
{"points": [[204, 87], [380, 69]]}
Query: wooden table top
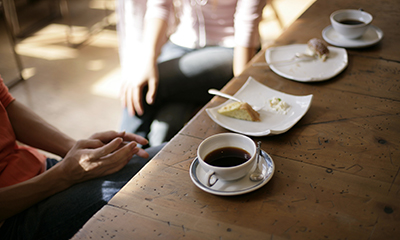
{"points": [[337, 169]]}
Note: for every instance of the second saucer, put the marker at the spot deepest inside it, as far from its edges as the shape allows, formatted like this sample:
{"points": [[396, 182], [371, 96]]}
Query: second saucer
{"points": [[372, 36]]}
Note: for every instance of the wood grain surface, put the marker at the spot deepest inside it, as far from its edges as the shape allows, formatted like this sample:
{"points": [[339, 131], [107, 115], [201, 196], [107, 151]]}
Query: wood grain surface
{"points": [[337, 169]]}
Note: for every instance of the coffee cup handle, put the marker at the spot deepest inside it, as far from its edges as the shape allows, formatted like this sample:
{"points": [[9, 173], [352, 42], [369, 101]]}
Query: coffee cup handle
{"points": [[209, 175]]}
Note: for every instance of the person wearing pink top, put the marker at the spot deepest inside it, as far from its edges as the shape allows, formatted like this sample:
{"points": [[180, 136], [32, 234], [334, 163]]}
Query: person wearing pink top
{"points": [[166, 79], [46, 198]]}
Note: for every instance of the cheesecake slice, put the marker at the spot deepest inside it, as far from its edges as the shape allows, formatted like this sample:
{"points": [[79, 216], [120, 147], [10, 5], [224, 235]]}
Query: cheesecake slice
{"points": [[240, 110]]}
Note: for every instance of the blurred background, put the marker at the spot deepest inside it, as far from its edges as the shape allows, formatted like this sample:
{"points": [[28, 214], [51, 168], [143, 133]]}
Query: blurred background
{"points": [[67, 52]]}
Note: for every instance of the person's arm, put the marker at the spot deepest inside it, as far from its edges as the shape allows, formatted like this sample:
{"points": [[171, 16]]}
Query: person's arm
{"points": [[102, 154], [34, 131], [132, 91], [87, 159], [241, 56]]}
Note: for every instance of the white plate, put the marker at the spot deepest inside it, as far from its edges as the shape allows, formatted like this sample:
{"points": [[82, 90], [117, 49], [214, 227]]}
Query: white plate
{"points": [[271, 122], [231, 188], [372, 36], [306, 71]]}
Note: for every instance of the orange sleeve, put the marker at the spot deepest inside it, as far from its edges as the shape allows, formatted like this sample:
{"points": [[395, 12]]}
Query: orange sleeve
{"points": [[5, 96], [17, 163]]}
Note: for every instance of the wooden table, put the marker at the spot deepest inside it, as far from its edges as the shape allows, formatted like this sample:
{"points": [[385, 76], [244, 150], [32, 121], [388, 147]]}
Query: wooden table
{"points": [[337, 169]]}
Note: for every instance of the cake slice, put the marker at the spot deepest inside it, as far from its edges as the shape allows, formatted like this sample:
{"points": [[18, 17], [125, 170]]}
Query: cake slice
{"points": [[240, 110]]}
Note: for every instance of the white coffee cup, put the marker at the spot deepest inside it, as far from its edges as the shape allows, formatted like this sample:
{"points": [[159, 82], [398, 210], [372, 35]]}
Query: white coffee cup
{"points": [[226, 172], [351, 23]]}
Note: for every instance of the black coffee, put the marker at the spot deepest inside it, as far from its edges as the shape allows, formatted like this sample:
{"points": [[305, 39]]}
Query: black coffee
{"points": [[351, 22], [227, 157]]}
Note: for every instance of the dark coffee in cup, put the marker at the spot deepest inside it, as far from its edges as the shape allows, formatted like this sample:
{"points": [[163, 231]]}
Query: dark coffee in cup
{"points": [[227, 157], [351, 22]]}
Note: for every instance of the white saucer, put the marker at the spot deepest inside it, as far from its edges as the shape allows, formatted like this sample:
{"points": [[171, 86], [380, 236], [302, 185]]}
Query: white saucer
{"points": [[231, 188], [372, 36]]}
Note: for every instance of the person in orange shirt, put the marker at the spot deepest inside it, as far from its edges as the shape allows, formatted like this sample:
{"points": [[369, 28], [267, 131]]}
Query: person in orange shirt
{"points": [[43, 198]]}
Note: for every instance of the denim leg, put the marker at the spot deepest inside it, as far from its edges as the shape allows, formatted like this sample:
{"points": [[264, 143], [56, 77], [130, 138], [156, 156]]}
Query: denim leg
{"points": [[171, 51], [63, 214], [188, 78]]}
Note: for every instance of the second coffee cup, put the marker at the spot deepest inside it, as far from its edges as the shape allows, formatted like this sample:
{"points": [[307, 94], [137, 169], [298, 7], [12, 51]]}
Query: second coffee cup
{"points": [[350, 23]]}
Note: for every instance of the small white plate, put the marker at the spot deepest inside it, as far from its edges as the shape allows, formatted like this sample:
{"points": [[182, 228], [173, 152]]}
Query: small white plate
{"points": [[372, 36], [306, 71], [272, 122], [232, 188]]}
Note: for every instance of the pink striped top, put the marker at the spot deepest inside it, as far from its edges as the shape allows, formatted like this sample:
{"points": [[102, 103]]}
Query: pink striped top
{"points": [[202, 23]]}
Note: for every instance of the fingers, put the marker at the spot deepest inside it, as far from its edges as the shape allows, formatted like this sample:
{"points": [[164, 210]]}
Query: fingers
{"points": [[142, 153], [127, 97], [106, 149], [137, 138], [113, 162], [132, 100], [108, 154], [112, 151], [128, 151], [107, 136], [137, 100], [124, 156], [132, 92], [151, 93], [89, 143]]}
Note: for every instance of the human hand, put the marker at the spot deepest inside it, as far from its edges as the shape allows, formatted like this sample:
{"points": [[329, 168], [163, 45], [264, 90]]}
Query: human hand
{"points": [[106, 137], [132, 89], [92, 158]]}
